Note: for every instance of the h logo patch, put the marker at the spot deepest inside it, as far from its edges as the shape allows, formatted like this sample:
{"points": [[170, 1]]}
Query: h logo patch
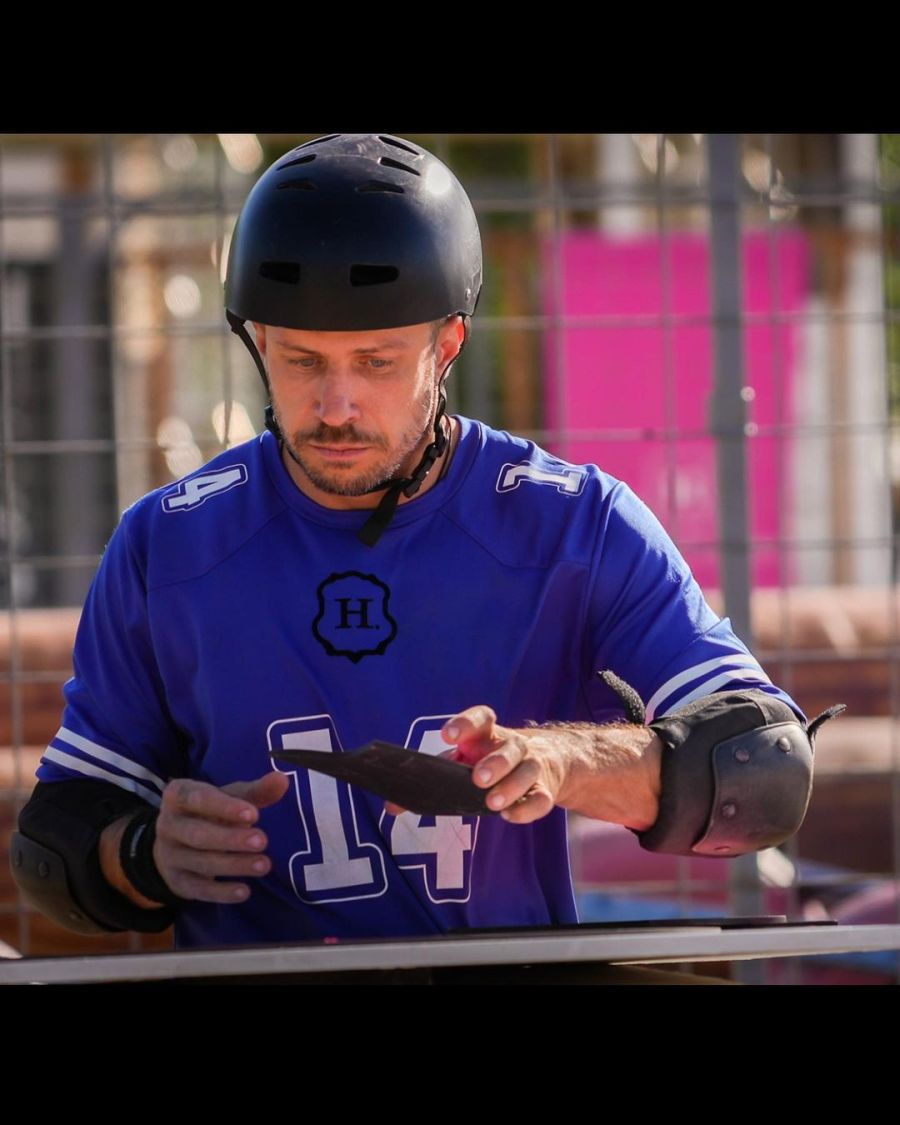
{"points": [[353, 618]]}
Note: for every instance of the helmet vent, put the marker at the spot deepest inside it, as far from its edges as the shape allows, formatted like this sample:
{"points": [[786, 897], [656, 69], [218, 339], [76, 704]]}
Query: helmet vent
{"points": [[389, 163], [299, 160], [399, 144], [373, 275], [380, 185], [318, 141], [298, 185], [286, 272]]}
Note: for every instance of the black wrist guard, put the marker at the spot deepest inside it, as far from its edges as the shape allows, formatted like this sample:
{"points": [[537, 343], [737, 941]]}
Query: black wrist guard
{"points": [[138, 864], [736, 772]]}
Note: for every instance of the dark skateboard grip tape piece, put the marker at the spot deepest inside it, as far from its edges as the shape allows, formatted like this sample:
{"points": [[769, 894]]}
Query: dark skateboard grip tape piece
{"points": [[421, 783]]}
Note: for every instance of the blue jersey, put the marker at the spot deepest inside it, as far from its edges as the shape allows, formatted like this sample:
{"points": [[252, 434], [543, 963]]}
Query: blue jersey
{"points": [[232, 616]]}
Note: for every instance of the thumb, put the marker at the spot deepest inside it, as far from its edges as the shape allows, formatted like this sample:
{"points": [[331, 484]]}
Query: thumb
{"points": [[262, 792]]}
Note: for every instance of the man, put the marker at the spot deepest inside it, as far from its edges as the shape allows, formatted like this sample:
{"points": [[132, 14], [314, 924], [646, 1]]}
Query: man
{"points": [[372, 568]]}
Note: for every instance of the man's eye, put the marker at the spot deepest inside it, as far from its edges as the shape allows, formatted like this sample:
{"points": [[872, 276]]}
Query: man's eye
{"points": [[377, 363], [304, 361]]}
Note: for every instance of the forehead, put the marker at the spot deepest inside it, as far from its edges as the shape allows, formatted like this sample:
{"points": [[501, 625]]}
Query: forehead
{"points": [[411, 338]]}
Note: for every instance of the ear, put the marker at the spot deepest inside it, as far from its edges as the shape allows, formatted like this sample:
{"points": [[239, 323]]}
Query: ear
{"points": [[260, 330], [449, 343]]}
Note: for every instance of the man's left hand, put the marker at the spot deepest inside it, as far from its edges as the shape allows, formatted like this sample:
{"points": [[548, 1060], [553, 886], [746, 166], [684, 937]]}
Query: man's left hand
{"points": [[609, 772]]}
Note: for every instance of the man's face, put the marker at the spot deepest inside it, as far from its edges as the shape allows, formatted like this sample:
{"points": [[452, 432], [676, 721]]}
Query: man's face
{"points": [[355, 408]]}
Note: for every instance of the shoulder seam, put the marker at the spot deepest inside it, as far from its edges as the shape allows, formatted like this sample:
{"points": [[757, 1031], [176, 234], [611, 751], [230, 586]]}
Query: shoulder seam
{"points": [[219, 561], [504, 562]]}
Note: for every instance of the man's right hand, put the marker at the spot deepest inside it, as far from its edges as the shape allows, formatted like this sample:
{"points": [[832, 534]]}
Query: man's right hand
{"points": [[202, 834]]}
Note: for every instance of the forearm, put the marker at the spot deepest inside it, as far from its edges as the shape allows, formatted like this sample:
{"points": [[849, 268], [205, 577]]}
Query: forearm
{"points": [[608, 772]]}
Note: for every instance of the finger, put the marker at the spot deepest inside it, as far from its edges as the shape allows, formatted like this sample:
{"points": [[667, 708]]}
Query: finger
{"points": [[214, 865], [208, 890], [514, 785], [473, 723], [199, 799], [500, 763], [208, 835], [530, 807], [261, 792]]}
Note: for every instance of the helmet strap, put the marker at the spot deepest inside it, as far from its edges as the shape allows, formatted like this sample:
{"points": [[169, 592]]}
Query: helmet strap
{"points": [[238, 328], [374, 527]]}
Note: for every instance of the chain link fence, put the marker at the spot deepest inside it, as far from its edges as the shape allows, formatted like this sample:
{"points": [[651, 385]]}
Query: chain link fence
{"points": [[713, 318]]}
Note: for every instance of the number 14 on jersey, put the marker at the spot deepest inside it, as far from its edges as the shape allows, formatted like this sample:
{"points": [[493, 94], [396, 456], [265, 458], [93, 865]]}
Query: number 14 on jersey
{"points": [[343, 854]]}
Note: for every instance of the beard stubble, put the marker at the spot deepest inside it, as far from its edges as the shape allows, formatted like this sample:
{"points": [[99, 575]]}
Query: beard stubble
{"points": [[341, 480]]}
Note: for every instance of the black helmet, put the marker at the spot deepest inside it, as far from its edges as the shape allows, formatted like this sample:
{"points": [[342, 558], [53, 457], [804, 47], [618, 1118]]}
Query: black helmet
{"points": [[353, 232]]}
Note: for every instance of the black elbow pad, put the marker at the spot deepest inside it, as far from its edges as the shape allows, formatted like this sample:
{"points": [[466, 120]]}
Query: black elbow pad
{"points": [[737, 770], [55, 858]]}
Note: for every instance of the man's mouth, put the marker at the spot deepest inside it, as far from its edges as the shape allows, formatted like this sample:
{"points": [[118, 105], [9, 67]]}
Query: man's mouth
{"points": [[339, 452]]}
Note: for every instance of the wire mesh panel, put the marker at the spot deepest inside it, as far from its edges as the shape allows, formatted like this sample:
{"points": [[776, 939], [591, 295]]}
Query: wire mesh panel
{"points": [[713, 319]]}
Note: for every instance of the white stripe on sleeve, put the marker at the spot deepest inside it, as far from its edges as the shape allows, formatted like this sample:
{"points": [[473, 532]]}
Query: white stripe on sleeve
{"points": [[94, 750], [79, 765], [709, 686], [733, 660]]}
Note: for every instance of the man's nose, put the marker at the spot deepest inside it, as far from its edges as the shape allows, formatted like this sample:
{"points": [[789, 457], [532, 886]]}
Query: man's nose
{"points": [[337, 399]]}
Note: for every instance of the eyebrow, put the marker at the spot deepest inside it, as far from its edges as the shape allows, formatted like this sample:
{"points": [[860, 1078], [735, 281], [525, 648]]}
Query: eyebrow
{"points": [[391, 344]]}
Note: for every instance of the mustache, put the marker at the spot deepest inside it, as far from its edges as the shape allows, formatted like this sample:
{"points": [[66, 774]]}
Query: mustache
{"points": [[347, 434]]}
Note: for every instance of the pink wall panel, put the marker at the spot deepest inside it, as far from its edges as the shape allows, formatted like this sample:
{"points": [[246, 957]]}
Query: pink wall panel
{"points": [[641, 375]]}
